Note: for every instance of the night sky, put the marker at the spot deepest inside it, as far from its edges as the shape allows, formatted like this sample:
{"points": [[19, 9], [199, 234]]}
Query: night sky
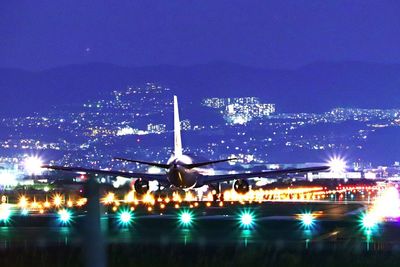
{"points": [[278, 34]]}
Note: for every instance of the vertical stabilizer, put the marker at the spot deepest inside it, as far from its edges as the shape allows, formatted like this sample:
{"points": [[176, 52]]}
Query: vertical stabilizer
{"points": [[177, 130]]}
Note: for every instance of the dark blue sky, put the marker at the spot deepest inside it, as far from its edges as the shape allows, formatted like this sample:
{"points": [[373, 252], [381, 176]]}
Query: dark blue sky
{"points": [[44, 34]]}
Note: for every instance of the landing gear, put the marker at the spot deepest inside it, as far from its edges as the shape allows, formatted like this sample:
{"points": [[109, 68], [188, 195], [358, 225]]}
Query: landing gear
{"points": [[216, 192]]}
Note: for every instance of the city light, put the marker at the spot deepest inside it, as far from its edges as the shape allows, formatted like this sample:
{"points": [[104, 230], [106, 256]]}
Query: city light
{"points": [[33, 165], [64, 216]]}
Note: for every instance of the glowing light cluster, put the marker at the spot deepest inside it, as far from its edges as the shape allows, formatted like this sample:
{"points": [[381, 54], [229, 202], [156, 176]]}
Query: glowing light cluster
{"points": [[57, 200], [109, 198], [33, 165], [337, 165], [5, 213], [369, 221], [387, 205]]}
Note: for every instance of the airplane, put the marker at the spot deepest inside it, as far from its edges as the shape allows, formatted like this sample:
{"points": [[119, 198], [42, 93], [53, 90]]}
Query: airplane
{"points": [[182, 172]]}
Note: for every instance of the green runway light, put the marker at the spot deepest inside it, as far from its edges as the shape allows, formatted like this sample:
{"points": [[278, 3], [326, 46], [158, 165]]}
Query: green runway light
{"points": [[5, 214], [64, 216], [125, 217], [369, 221], [307, 220], [246, 219], [185, 218]]}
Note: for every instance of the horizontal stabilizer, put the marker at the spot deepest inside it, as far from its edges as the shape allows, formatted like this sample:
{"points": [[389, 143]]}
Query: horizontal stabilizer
{"points": [[161, 178], [159, 165], [201, 164]]}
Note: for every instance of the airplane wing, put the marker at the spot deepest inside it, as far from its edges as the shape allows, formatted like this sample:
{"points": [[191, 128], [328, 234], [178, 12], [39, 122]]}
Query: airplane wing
{"points": [[144, 176], [265, 174]]}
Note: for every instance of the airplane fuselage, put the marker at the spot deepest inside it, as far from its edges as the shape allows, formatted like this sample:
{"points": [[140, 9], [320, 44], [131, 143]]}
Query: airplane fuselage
{"points": [[180, 176]]}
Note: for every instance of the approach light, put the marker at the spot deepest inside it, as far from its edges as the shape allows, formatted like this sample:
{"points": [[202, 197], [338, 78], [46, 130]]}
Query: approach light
{"points": [[246, 219], [64, 216], [33, 165], [125, 217]]}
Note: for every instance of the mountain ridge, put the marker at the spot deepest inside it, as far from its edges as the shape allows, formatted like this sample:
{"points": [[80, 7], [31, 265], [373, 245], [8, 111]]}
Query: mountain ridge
{"points": [[315, 87]]}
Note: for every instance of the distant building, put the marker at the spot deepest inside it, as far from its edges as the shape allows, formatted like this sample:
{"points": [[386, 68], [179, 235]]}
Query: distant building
{"points": [[240, 110]]}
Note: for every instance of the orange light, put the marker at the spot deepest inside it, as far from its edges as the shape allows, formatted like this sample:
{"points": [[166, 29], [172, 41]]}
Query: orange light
{"points": [[57, 200]]}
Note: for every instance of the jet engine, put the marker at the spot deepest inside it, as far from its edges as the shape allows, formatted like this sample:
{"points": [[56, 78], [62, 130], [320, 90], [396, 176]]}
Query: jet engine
{"points": [[141, 186], [241, 186]]}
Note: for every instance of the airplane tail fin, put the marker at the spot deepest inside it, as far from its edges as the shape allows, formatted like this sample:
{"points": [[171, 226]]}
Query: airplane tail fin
{"points": [[177, 130]]}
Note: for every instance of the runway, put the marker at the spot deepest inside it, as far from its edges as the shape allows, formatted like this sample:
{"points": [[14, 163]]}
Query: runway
{"points": [[272, 222], [216, 236]]}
